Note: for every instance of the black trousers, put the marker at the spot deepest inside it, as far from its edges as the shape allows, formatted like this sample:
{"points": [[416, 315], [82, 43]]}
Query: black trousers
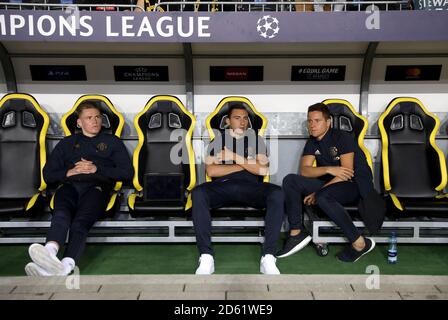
{"points": [[77, 207], [330, 199], [236, 192]]}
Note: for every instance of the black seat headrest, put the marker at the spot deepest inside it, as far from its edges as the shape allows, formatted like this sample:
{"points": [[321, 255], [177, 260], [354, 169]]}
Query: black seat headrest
{"points": [[217, 120], [23, 129], [344, 117], [413, 165], [112, 120], [155, 125]]}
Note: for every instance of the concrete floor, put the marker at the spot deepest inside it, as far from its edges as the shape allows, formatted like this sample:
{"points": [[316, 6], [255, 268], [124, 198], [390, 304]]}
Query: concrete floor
{"points": [[225, 287]]}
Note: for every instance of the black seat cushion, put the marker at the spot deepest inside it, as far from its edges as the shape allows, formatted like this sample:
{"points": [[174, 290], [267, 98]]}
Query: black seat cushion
{"points": [[20, 148], [160, 155], [414, 166]]}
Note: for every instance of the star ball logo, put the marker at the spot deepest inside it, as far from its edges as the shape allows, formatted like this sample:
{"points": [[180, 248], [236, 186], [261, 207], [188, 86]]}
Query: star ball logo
{"points": [[268, 27]]}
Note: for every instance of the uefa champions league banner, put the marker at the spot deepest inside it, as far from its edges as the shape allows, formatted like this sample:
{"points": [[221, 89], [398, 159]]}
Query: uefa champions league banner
{"points": [[73, 25]]}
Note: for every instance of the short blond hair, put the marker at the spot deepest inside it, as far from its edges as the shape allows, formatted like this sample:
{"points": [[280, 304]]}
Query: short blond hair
{"points": [[86, 105]]}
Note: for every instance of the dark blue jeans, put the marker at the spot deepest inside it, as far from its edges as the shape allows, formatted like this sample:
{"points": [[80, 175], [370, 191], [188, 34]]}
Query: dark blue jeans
{"points": [[76, 208], [330, 199], [234, 192]]}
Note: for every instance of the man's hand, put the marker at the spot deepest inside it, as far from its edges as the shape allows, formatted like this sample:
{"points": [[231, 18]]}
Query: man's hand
{"points": [[226, 155], [342, 173], [310, 199], [82, 167]]}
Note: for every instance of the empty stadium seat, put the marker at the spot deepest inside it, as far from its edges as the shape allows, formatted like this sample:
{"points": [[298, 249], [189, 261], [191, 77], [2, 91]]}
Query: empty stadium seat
{"points": [[414, 168], [215, 123], [164, 164], [23, 156], [112, 122]]}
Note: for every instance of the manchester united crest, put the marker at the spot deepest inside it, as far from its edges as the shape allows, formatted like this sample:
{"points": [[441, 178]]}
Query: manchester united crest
{"points": [[334, 153], [101, 147]]}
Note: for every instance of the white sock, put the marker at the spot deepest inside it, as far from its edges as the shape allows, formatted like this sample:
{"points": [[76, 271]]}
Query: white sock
{"points": [[69, 264], [52, 248]]}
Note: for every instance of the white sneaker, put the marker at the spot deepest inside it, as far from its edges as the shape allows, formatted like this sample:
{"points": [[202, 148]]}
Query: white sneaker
{"points": [[267, 265], [33, 270], [206, 264], [47, 261]]}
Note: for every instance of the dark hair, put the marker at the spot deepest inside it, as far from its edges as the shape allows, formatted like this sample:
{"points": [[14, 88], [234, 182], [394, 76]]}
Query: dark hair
{"points": [[235, 107], [321, 107], [86, 105]]}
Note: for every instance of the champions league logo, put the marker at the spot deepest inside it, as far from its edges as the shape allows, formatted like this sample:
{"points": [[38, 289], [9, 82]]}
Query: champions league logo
{"points": [[268, 27]]}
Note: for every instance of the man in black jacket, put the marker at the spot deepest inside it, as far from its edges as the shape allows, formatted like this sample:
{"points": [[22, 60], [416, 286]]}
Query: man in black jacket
{"points": [[86, 166], [236, 161], [341, 176]]}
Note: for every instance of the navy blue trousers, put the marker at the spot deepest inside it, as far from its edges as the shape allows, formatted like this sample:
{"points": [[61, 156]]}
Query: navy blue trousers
{"points": [[235, 192], [330, 199], [76, 208]]}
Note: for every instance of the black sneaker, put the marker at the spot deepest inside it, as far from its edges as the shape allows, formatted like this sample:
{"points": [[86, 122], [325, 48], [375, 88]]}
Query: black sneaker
{"points": [[349, 254], [294, 244]]}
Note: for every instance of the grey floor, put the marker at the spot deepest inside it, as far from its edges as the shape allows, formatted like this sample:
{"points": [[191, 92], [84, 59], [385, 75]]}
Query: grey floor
{"points": [[225, 287]]}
